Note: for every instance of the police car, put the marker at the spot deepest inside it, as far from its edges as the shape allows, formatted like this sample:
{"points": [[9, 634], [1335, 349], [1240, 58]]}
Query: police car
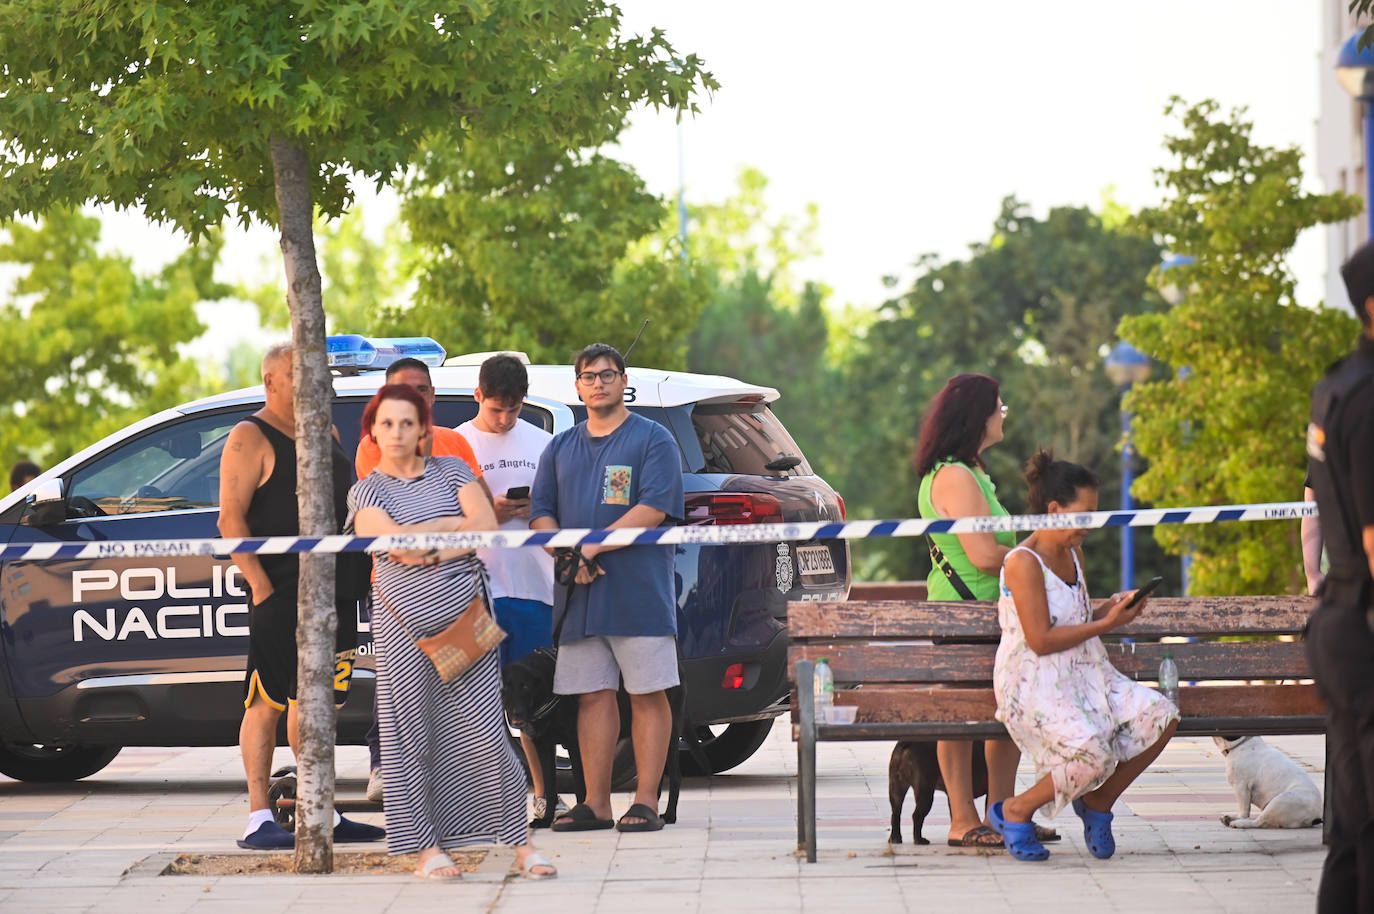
{"points": [[98, 654]]}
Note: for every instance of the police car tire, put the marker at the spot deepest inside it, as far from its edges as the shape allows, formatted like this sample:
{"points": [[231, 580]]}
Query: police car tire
{"points": [[728, 748], [54, 763]]}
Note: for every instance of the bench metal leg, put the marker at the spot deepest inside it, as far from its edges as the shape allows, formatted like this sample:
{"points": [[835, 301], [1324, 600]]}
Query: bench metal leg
{"points": [[806, 759]]}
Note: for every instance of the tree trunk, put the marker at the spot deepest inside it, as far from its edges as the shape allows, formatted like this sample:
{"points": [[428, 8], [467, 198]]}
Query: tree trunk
{"points": [[317, 623]]}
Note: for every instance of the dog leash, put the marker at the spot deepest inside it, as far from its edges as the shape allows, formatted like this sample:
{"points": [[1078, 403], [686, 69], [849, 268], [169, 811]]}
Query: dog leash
{"points": [[565, 566], [566, 563]]}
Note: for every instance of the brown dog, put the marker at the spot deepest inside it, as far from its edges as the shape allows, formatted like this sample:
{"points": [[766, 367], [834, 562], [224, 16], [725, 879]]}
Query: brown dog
{"points": [[915, 767]]}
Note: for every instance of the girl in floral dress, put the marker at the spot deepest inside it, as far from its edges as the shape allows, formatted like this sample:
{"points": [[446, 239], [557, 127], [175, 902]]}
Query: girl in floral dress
{"points": [[1089, 730]]}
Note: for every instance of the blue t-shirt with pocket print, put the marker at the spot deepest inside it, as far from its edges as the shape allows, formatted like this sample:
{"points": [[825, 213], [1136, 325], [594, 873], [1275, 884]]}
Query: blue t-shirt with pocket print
{"points": [[584, 481]]}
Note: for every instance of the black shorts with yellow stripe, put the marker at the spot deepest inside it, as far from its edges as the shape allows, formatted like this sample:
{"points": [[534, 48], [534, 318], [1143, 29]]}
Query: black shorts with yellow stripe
{"points": [[271, 673]]}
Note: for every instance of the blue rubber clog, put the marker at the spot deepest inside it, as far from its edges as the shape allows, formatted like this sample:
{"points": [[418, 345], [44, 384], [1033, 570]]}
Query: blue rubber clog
{"points": [[1097, 830], [1019, 836]]}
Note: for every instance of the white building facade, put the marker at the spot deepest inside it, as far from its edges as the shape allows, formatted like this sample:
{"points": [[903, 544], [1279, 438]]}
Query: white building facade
{"points": [[1340, 147]]}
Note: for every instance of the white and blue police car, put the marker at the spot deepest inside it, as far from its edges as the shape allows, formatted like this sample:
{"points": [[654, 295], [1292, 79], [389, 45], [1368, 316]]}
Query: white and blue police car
{"points": [[103, 653]]}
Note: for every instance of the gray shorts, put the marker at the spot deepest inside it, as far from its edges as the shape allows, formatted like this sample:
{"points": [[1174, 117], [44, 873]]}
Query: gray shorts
{"points": [[648, 663]]}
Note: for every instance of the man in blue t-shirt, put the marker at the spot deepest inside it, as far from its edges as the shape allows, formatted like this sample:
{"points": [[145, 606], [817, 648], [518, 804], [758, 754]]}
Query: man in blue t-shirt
{"points": [[616, 469]]}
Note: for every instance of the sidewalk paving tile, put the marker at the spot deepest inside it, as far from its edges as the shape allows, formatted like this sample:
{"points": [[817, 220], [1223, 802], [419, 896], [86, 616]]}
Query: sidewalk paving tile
{"points": [[79, 847]]}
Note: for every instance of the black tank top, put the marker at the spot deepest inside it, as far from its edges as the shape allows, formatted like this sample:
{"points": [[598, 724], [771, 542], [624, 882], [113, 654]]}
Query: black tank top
{"points": [[274, 512]]}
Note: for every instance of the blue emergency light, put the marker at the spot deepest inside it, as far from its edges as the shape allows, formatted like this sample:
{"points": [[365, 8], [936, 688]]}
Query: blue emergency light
{"points": [[350, 353]]}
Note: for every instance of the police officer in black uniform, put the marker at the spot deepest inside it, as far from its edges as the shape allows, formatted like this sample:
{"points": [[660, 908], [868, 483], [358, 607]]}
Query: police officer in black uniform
{"points": [[1340, 643]]}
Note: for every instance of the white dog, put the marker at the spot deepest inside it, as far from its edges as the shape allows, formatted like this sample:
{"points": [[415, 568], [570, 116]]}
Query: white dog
{"points": [[1263, 776]]}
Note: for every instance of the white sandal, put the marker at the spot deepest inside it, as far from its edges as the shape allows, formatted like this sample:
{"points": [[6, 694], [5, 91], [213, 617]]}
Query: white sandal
{"points": [[430, 868], [533, 859]]}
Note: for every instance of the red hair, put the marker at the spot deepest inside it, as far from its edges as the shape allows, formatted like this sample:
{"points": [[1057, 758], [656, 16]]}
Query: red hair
{"points": [[956, 421], [395, 392]]}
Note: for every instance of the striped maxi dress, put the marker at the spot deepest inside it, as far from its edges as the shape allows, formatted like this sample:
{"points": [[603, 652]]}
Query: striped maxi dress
{"points": [[450, 775]]}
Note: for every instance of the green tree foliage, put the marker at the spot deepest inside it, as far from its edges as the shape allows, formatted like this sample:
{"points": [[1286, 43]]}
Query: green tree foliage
{"points": [[1363, 9], [762, 324], [361, 277], [265, 109], [93, 346], [740, 235], [1225, 424], [1036, 306], [171, 105], [533, 247]]}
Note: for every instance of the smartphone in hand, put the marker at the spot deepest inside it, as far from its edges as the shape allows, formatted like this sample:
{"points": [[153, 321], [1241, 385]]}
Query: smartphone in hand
{"points": [[518, 493], [1145, 591]]}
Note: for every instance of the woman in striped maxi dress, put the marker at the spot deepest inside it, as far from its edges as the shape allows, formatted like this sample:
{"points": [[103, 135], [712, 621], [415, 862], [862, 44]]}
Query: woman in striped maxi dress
{"points": [[450, 775]]}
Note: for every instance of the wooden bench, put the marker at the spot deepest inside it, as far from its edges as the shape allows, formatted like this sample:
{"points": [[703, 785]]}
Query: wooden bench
{"points": [[923, 671]]}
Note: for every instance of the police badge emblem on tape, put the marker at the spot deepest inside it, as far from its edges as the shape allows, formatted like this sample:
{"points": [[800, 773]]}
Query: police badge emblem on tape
{"points": [[785, 572]]}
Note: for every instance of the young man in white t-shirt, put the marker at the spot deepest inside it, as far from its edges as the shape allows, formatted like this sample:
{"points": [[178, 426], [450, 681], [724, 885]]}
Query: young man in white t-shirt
{"points": [[508, 451]]}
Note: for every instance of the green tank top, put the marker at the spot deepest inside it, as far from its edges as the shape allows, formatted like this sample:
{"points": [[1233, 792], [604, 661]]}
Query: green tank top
{"points": [[983, 586]]}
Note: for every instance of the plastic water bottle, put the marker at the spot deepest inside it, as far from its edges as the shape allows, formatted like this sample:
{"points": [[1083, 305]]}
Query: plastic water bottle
{"points": [[825, 689], [1168, 678]]}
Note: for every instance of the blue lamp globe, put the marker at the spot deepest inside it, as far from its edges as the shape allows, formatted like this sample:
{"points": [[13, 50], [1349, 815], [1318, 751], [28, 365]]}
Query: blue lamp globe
{"points": [[1355, 68], [1127, 365]]}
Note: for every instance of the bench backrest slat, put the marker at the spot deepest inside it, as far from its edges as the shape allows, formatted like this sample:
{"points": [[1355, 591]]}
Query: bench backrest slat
{"points": [[891, 662], [977, 620], [883, 704]]}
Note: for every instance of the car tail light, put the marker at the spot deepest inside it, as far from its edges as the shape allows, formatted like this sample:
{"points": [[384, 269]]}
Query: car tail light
{"points": [[733, 508], [734, 677], [840, 498]]}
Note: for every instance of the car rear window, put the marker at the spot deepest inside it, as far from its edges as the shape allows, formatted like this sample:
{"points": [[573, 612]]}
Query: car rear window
{"points": [[743, 441]]}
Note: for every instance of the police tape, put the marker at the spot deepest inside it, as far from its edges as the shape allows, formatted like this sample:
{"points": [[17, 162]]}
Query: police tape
{"points": [[695, 535]]}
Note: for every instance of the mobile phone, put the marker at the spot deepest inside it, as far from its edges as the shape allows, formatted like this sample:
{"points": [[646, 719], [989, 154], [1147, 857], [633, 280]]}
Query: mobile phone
{"points": [[518, 493], [1145, 591]]}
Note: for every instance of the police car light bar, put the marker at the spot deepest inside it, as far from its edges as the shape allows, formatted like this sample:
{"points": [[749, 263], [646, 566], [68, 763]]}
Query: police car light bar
{"points": [[350, 353]]}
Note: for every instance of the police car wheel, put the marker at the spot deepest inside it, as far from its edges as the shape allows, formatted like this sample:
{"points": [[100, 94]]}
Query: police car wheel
{"points": [[726, 746], [53, 763]]}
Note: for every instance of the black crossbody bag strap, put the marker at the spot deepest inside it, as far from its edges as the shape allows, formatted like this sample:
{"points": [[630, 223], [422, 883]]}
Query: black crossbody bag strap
{"points": [[939, 560]]}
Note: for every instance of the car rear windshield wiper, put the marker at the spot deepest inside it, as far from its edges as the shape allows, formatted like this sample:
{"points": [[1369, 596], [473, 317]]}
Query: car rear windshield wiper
{"points": [[780, 464]]}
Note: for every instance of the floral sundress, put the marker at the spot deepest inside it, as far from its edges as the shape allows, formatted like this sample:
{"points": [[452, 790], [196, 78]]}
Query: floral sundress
{"points": [[1071, 712]]}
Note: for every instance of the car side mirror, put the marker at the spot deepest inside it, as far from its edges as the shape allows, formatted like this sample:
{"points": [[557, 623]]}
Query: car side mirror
{"points": [[46, 504]]}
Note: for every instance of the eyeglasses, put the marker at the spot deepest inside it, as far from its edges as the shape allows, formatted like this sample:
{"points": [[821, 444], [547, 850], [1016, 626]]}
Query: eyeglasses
{"points": [[588, 378], [1003, 409]]}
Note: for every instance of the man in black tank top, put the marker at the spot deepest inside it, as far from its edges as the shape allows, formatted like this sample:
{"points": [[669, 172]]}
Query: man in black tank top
{"points": [[258, 498]]}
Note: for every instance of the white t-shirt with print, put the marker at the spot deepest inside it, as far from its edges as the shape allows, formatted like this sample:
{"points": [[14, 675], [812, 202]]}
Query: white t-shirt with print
{"points": [[509, 461]]}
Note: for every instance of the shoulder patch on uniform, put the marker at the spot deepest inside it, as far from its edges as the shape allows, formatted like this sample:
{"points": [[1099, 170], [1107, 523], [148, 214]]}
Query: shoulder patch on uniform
{"points": [[1316, 442]]}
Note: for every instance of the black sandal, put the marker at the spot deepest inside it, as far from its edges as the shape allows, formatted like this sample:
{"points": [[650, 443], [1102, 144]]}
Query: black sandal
{"points": [[652, 820], [580, 818], [978, 836]]}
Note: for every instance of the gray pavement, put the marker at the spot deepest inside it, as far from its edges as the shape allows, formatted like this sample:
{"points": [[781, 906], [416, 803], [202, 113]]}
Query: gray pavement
{"points": [[101, 844]]}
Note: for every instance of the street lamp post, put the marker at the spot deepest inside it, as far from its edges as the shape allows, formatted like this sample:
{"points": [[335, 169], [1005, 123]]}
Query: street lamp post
{"points": [[1355, 70], [1174, 293], [1127, 366]]}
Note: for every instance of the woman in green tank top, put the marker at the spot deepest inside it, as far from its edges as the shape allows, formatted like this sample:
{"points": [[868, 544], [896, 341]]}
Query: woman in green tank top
{"points": [[962, 421]]}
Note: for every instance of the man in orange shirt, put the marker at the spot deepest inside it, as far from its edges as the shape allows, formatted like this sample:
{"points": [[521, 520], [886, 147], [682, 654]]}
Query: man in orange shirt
{"points": [[441, 442]]}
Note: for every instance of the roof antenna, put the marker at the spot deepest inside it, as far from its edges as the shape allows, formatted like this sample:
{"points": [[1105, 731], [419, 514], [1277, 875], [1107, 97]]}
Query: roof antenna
{"points": [[636, 341]]}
